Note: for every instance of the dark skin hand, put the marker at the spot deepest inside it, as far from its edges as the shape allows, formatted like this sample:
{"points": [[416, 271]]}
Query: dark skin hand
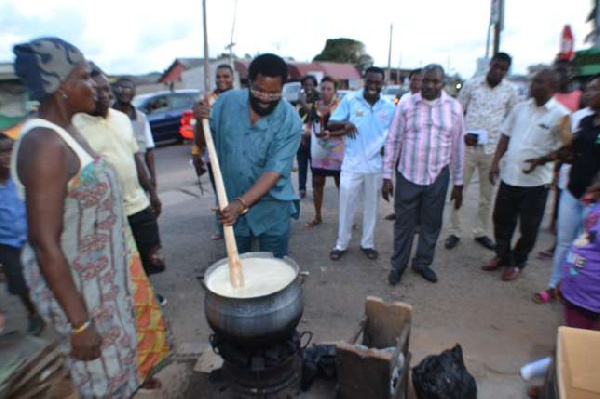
{"points": [[387, 189], [457, 196], [341, 128], [45, 165], [470, 140], [266, 181], [147, 185]]}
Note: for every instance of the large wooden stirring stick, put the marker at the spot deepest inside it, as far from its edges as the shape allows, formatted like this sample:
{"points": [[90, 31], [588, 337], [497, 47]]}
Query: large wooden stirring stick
{"points": [[236, 274]]}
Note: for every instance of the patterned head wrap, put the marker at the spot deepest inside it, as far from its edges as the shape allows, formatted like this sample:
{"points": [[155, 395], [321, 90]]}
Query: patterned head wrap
{"points": [[43, 64]]}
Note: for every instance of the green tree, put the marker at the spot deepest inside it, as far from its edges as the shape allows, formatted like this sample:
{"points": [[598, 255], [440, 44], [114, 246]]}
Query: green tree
{"points": [[347, 51]]}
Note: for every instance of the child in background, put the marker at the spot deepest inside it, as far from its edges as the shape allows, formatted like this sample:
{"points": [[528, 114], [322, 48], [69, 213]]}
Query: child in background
{"points": [[13, 235], [580, 285]]}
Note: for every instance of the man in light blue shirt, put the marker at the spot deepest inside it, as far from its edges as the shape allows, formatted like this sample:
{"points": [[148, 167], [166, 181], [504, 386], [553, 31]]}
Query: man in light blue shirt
{"points": [[363, 118], [256, 136]]}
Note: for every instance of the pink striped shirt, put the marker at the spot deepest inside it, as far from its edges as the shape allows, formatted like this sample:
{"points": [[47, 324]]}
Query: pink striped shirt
{"points": [[426, 137]]}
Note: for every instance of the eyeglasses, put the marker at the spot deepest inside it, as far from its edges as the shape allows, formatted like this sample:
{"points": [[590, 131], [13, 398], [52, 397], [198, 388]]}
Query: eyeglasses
{"points": [[124, 90], [265, 96]]}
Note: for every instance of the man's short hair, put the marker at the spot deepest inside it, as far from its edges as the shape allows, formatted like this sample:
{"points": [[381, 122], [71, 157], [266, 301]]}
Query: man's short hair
{"points": [[95, 69], [120, 81], [269, 65], [225, 66], [4, 136], [503, 57], [374, 69], [434, 67], [418, 71], [331, 80]]}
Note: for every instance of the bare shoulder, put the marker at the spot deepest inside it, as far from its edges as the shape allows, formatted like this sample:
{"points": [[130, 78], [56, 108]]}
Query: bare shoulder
{"points": [[42, 141]]}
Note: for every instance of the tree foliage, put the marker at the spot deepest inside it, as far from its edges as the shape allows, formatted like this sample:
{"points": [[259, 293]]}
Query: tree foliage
{"points": [[347, 51]]}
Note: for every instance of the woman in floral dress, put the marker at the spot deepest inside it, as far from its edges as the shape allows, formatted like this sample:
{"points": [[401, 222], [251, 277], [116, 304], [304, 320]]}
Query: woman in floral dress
{"points": [[80, 262]]}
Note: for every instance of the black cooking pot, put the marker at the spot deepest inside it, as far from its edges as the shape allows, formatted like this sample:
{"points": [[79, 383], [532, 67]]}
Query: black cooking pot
{"points": [[258, 321]]}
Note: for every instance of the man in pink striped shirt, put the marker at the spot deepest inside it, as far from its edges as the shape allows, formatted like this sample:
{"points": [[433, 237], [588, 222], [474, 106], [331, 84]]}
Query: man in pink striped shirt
{"points": [[426, 138]]}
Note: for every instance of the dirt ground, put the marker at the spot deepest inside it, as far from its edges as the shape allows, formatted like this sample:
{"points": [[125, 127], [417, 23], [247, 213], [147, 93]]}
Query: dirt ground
{"points": [[497, 324]]}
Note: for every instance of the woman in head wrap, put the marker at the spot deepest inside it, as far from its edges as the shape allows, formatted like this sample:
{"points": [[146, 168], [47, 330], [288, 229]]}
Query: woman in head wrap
{"points": [[80, 261]]}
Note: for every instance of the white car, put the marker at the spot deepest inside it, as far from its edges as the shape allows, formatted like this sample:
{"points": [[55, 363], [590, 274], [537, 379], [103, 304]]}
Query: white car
{"points": [[291, 92]]}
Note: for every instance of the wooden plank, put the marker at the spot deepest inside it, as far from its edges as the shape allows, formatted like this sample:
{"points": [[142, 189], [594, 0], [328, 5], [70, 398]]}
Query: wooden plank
{"points": [[362, 373], [385, 322]]}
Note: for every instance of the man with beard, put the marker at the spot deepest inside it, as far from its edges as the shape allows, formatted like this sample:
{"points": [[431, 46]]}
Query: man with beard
{"points": [[425, 147], [362, 118], [256, 137], [124, 93], [109, 132]]}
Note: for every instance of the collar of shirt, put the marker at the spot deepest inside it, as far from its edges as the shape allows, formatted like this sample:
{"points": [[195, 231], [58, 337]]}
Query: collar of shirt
{"points": [[417, 98]]}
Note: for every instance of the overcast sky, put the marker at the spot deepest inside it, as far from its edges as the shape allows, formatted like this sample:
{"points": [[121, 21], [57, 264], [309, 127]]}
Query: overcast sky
{"points": [[135, 37]]}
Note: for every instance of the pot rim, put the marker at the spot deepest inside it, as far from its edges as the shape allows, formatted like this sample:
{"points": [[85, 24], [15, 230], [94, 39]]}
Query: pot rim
{"points": [[265, 255]]}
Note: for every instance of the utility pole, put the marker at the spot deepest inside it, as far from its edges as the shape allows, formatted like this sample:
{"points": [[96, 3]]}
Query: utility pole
{"points": [[231, 43], [497, 19], [206, 56], [596, 33], [389, 65]]}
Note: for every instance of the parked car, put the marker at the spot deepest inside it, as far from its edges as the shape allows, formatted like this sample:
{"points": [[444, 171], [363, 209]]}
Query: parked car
{"points": [[291, 92], [165, 110], [392, 93]]}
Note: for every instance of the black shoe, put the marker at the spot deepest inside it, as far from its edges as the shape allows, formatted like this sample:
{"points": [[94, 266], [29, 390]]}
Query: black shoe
{"points": [[486, 242], [395, 276], [451, 241], [427, 273]]}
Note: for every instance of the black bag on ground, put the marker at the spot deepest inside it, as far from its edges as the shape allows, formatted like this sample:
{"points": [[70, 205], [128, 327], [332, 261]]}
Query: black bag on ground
{"points": [[444, 376], [318, 361]]}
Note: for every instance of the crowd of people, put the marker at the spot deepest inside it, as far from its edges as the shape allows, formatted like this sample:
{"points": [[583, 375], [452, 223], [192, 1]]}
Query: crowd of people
{"points": [[79, 209]]}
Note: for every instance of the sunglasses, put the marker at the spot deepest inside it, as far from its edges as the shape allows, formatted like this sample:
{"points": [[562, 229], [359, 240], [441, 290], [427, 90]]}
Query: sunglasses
{"points": [[265, 96], [124, 90]]}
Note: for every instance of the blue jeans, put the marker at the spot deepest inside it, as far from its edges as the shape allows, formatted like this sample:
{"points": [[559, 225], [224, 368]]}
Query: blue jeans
{"points": [[571, 214], [275, 241]]}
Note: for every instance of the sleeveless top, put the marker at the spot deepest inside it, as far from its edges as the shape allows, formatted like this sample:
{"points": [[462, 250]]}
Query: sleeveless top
{"points": [[99, 249]]}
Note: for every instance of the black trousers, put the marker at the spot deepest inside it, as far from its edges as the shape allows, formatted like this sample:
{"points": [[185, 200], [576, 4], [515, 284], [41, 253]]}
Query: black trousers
{"points": [[523, 205], [303, 156], [147, 238], [418, 204]]}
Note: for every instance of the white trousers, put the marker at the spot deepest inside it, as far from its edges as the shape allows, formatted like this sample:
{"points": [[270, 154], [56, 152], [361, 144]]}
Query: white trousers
{"points": [[352, 186]]}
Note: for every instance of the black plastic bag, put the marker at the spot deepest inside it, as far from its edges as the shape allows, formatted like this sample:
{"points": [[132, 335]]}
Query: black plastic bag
{"points": [[318, 361], [444, 376]]}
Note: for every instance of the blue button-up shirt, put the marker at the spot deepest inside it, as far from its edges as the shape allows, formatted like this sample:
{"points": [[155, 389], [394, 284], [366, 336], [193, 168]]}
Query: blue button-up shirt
{"points": [[246, 151], [363, 153], [13, 218]]}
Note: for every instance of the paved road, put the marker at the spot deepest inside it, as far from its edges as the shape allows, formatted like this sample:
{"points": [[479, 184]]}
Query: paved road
{"points": [[495, 322]]}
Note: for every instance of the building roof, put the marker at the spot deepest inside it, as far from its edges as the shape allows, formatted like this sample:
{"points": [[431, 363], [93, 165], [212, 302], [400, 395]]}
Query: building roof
{"points": [[7, 71], [298, 70], [340, 71]]}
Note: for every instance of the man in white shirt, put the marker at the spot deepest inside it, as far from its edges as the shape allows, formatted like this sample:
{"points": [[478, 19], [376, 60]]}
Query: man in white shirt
{"points": [[110, 134], [486, 100], [124, 89], [533, 129]]}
